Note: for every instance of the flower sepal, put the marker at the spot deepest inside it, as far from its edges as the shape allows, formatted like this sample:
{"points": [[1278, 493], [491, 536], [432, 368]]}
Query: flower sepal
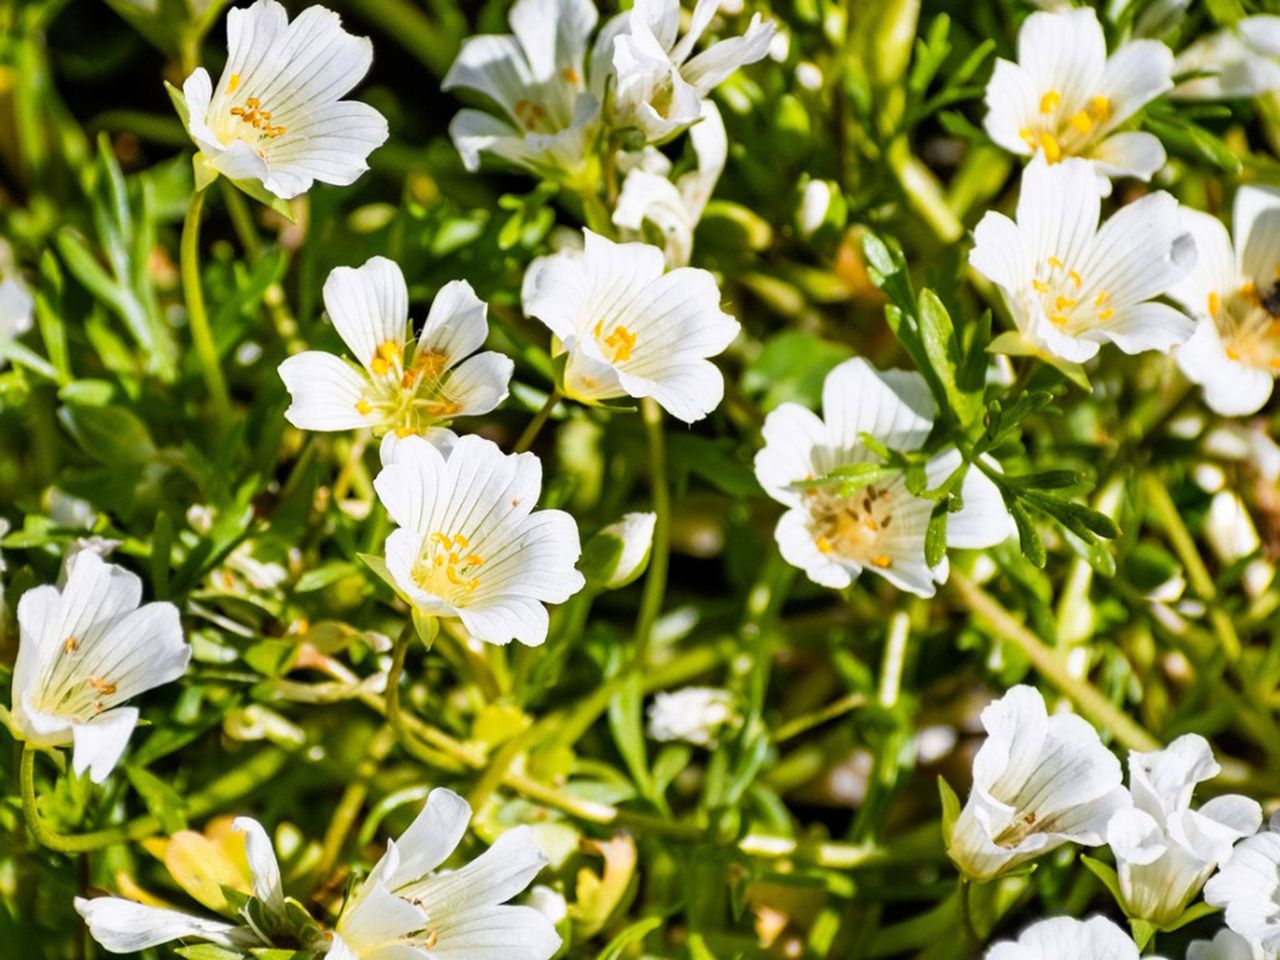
{"points": [[1013, 344]]}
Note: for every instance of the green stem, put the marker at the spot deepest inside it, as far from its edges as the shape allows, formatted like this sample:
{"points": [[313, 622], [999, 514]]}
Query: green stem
{"points": [[1101, 711], [655, 584], [230, 787], [197, 315], [964, 911], [531, 431], [348, 808], [241, 220], [395, 716]]}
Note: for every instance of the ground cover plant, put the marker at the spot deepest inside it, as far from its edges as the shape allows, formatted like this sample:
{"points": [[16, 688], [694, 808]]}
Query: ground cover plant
{"points": [[571, 479]]}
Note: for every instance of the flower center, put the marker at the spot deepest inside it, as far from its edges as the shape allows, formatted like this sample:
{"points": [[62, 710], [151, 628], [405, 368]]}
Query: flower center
{"points": [[252, 113], [617, 344], [1068, 302], [1060, 132], [445, 569], [1018, 829], [850, 527], [1248, 322], [408, 399]]}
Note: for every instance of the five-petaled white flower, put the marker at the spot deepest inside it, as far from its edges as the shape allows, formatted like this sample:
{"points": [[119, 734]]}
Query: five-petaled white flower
{"points": [[833, 534], [1234, 295], [631, 329], [276, 116], [126, 926], [659, 84], [1242, 61], [392, 391], [649, 196], [403, 910], [83, 651], [1039, 781], [469, 543], [536, 76], [1071, 285], [1066, 98], [1227, 945], [1065, 938], [1164, 850], [1247, 887], [694, 715]]}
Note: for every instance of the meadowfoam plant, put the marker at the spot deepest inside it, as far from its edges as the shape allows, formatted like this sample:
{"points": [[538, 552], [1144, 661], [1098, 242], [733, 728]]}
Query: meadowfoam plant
{"points": [[627, 479]]}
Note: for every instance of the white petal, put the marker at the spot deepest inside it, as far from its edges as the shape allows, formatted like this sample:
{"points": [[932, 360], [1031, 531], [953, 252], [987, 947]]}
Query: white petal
{"points": [[1231, 388], [1137, 73], [984, 520], [1139, 253], [434, 834], [1147, 326], [324, 390], [1257, 232], [497, 875], [1215, 269], [797, 546], [1058, 207], [474, 132], [1065, 52], [369, 306], [507, 618], [328, 142], [409, 485], [100, 742], [513, 933], [480, 383], [123, 926], [495, 66], [1001, 253], [1012, 99], [456, 326], [710, 68], [553, 33], [792, 435], [894, 406], [1130, 153], [263, 866]]}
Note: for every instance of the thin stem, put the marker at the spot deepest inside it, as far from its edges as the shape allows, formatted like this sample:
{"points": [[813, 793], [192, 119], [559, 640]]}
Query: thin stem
{"points": [[964, 910], [197, 315], [655, 584], [1101, 711], [241, 220], [348, 808], [394, 715], [531, 431], [230, 787]]}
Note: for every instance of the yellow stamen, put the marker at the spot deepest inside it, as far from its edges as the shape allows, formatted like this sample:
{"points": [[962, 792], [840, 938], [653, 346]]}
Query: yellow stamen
{"points": [[233, 83], [1040, 285], [1101, 298], [1100, 107], [102, 686], [403, 432], [1106, 314], [70, 645], [1049, 144], [882, 561], [1058, 320], [1231, 354], [364, 407], [1075, 278], [1055, 263], [1049, 102], [571, 76], [1215, 304], [824, 545], [1063, 303], [1081, 122]]}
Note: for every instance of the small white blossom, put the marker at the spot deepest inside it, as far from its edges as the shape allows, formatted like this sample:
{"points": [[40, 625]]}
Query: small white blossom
{"points": [[394, 390], [630, 327], [406, 910], [83, 651], [124, 926], [1164, 850], [1244, 61], [469, 543], [881, 527], [1039, 781], [536, 76], [694, 715], [276, 115], [1071, 284], [1247, 887], [1065, 938], [1066, 98], [659, 84], [1227, 945], [1234, 353], [626, 545]]}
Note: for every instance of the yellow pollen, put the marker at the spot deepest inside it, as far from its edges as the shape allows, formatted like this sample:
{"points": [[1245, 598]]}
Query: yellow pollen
{"points": [[403, 432], [1075, 278], [824, 545], [1055, 263], [1231, 354], [1081, 122], [1215, 304], [1100, 107], [406, 381], [882, 561], [1101, 298], [871, 525], [620, 340], [1106, 314], [1058, 320], [364, 407], [430, 940], [1248, 289], [388, 350], [70, 645], [571, 76], [1049, 144], [379, 366], [1274, 363], [1040, 285], [1063, 303], [233, 83], [1049, 102], [102, 686]]}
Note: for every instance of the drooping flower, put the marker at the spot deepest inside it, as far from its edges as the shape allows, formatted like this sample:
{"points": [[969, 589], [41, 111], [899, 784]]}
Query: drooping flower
{"points": [[1072, 285], [1164, 850], [276, 116], [1065, 938], [1247, 887], [1039, 781], [694, 715], [1234, 296], [16, 312], [1227, 945], [1066, 98], [469, 543], [834, 535], [649, 196], [83, 651], [405, 910], [1243, 61], [658, 83], [125, 926], [394, 391], [630, 328], [536, 76]]}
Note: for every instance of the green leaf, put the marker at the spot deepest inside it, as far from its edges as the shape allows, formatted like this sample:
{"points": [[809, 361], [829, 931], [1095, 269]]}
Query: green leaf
{"points": [[1104, 872], [634, 933], [943, 350], [1193, 913], [162, 801], [1028, 537], [935, 537], [111, 435], [950, 808], [272, 658], [207, 951]]}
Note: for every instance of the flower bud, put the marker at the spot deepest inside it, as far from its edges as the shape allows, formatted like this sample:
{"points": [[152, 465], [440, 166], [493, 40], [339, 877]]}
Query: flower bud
{"points": [[619, 553]]}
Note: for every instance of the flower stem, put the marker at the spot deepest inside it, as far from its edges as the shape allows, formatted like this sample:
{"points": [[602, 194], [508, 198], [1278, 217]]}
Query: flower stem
{"points": [[655, 584], [394, 714], [197, 315], [245, 778], [348, 808], [531, 432], [1097, 708], [964, 910]]}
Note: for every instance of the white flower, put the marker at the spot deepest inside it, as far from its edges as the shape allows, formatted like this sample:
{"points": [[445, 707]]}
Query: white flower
{"points": [[1234, 297], [124, 926], [1244, 60], [675, 208], [535, 75], [815, 204], [1227, 945], [659, 85], [882, 526], [391, 390], [276, 116], [83, 651], [1065, 938], [1066, 98], [16, 312], [620, 551], [404, 910], [1247, 887], [469, 543], [1039, 781], [1072, 285], [694, 714], [631, 329], [1164, 850]]}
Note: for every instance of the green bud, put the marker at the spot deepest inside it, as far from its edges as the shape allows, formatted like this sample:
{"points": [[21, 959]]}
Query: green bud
{"points": [[619, 553]]}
